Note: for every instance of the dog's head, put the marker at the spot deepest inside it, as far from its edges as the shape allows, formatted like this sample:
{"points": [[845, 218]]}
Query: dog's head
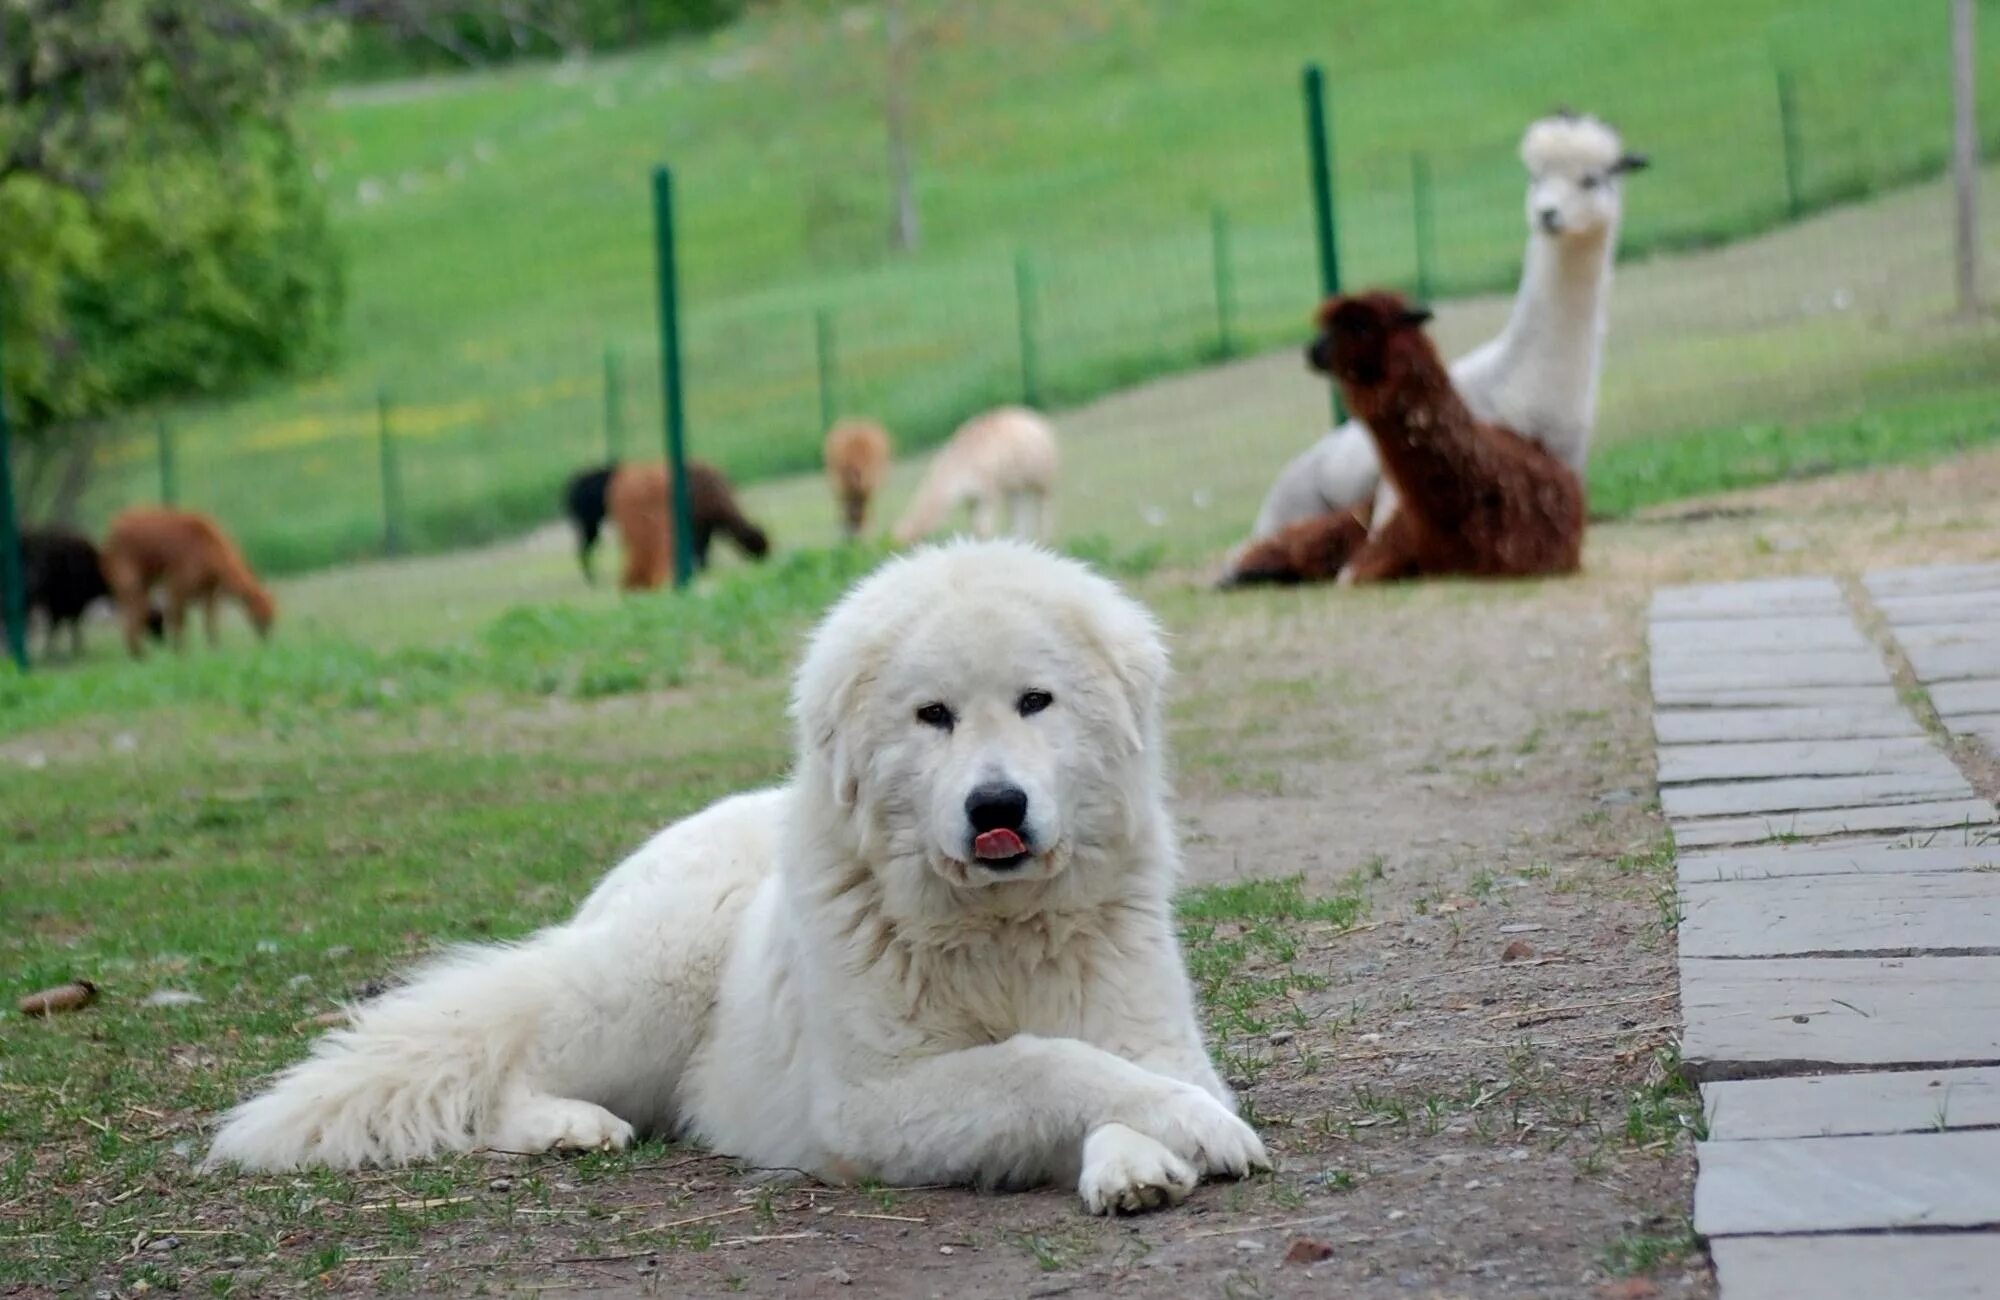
{"points": [[1361, 336], [987, 712]]}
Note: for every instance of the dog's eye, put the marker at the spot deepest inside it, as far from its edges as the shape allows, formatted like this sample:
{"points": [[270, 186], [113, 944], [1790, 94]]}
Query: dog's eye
{"points": [[936, 715], [1589, 182], [1033, 702]]}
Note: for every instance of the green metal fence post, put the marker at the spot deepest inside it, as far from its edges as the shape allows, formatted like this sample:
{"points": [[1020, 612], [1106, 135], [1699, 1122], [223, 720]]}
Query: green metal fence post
{"points": [[682, 523], [164, 437], [1423, 219], [13, 572], [1218, 232], [614, 408], [392, 486], [1024, 314], [1788, 127], [829, 405], [1319, 147]]}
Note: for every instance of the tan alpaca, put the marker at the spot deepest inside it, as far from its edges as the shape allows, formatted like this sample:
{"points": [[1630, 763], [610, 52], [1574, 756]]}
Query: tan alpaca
{"points": [[857, 460], [190, 556], [1004, 457]]}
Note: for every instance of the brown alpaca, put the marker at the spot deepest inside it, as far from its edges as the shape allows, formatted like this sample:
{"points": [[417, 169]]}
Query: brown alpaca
{"points": [[857, 460], [1311, 550], [188, 555], [1477, 499], [636, 499]]}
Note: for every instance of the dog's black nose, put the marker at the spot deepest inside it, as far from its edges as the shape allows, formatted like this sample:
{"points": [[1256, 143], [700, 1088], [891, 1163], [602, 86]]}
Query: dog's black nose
{"points": [[1551, 220], [996, 807]]}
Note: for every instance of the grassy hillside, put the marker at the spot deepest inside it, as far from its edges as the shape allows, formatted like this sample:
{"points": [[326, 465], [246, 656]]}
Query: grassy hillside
{"points": [[500, 245]]}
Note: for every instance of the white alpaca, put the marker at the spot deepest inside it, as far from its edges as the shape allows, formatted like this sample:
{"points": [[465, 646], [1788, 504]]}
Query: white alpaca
{"points": [[1004, 457], [1539, 376]]}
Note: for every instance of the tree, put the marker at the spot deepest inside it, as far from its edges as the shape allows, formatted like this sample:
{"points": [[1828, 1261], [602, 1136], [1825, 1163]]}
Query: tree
{"points": [[163, 233], [889, 55]]}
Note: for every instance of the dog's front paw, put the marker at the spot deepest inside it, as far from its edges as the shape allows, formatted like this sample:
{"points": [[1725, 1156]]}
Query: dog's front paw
{"points": [[539, 1123], [1201, 1130], [1126, 1172]]}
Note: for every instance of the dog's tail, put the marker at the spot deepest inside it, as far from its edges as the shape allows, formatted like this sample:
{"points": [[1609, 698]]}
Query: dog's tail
{"points": [[423, 1069], [584, 501]]}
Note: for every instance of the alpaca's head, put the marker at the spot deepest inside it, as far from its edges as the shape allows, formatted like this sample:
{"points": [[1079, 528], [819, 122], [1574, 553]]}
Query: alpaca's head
{"points": [[1369, 339], [1576, 164]]}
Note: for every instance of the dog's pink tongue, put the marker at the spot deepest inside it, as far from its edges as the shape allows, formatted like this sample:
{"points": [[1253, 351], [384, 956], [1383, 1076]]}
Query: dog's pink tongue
{"points": [[999, 844]]}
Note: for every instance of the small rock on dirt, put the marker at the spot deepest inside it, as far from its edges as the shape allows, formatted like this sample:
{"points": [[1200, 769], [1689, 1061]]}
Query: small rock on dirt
{"points": [[73, 996], [1518, 950], [1628, 1288], [839, 1276], [1307, 1250]]}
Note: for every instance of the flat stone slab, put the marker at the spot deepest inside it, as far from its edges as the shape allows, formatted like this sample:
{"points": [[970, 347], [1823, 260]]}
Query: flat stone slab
{"points": [[1835, 1105], [1956, 661], [1736, 726], [1763, 599], [1788, 1014], [1936, 912], [1933, 579], [1897, 856], [1949, 815], [1732, 635], [1956, 699], [1963, 607], [1735, 672], [1836, 1184], [1681, 764], [1881, 695], [1909, 1266], [1947, 633], [1800, 794]]}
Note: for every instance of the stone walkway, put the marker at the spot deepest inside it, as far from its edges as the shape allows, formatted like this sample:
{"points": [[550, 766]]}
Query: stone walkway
{"points": [[1840, 933]]}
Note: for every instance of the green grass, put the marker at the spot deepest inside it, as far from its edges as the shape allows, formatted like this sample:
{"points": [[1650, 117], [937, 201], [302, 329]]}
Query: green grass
{"points": [[503, 245]]}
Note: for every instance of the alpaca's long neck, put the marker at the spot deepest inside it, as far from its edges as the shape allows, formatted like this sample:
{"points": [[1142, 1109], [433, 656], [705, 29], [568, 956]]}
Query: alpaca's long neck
{"points": [[1549, 355]]}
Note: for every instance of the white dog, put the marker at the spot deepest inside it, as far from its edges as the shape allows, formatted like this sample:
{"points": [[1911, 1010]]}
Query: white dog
{"points": [[943, 953], [1006, 457]]}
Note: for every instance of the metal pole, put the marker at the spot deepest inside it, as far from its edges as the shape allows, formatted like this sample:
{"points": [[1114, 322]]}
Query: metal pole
{"points": [[1788, 127], [614, 408], [681, 525], [1965, 154], [1218, 228], [823, 353], [392, 492], [1319, 147], [165, 438], [1024, 311], [13, 571], [1424, 221]]}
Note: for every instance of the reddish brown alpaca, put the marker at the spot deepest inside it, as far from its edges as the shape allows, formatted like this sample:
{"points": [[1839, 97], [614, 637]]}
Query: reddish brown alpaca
{"points": [[637, 500], [1311, 550], [189, 555], [1477, 499]]}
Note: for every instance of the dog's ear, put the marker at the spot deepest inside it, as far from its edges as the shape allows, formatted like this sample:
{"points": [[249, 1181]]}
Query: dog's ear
{"points": [[1416, 317], [826, 707], [1125, 637]]}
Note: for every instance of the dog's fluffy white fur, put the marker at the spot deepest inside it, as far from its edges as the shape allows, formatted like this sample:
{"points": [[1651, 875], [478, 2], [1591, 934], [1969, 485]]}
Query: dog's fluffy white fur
{"points": [[824, 976], [1004, 458]]}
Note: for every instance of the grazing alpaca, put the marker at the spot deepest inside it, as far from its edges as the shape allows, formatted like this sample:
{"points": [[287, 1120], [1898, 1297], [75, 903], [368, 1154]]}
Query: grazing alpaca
{"points": [[1004, 456], [857, 460], [1540, 375], [192, 558], [1314, 549], [1476, 499], [64, 577], [583, 502], [637, 499]]}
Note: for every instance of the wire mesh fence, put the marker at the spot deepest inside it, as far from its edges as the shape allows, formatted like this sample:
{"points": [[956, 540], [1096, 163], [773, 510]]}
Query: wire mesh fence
{"points": [[1788, 263]]}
